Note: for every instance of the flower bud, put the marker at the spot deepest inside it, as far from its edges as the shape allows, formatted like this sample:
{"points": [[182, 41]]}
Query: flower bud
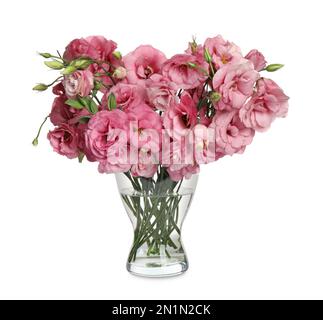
{"points": [[45, 55], [215, 96], [56, 65], [120, 73], [68, 70], [117, 55], [274, 67], [40, 87], [207, 56], [35, 142]]}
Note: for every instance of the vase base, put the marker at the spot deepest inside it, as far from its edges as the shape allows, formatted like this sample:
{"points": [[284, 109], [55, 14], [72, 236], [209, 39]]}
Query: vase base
{"points": [[152, 269]]}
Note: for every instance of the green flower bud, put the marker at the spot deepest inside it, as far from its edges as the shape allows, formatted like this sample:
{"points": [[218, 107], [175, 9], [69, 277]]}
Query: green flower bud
{"points": [[40, 87], [45, 55], [273, 67], [35, 142], [117, 55], [215, 96], [56, 65], [81, 63], [68, 70], [207, 56]]}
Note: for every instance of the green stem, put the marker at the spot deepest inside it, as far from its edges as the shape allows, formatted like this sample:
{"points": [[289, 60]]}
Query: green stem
{"points": [[35, 141]]}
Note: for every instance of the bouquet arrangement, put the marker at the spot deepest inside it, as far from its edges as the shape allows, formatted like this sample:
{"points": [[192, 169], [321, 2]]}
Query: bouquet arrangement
{"points": [[155, 118]]}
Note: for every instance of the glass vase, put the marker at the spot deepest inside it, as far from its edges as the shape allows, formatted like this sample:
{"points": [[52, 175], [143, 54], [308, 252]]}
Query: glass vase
{"points": [[156, 207]]}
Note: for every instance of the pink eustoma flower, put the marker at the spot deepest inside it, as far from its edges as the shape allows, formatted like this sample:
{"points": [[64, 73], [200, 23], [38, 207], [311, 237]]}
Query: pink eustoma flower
{"points": [[181, 117], [142, 63], [64, 140], [267, 103], [231, 134], [78, 83], [235, 83], [222, 51], [257, 58], [185, 70], [106, 138]]}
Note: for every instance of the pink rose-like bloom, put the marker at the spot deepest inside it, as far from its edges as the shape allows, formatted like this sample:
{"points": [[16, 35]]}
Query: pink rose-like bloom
{"points": [[160, 92], [103, 47], [185, 70], [222, 51], [78, 83], [95, 47], [267, 103], [145, 128], [106, 139], [235, 83], [127, 95], [64, 140], [142, 63], [181, 117], [178, 172], [231, 134], [146, 165], [257, 58]]}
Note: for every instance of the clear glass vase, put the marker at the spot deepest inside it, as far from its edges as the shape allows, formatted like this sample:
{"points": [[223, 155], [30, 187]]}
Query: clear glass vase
{"points": [[157, 207]]}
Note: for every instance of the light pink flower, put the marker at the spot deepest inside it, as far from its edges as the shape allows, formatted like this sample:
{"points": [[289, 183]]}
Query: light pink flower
{"points": [[146, 165], [127, 95], [185, 70], [267, 103], [181, 117], [160, 92], [235, 83], [142, 63], [64, 140], [231, 134], [257, 58], [106, 138], [145, 128], [78, 83], [222, 51]]}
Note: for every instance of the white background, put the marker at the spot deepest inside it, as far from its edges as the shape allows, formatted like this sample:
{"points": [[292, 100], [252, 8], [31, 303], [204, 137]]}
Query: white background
{"points": [[255, 228]]}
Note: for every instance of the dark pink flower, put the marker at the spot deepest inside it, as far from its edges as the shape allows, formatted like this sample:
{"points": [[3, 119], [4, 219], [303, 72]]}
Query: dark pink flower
{"points": [[64, 140], [181, 117], [106, 139]]}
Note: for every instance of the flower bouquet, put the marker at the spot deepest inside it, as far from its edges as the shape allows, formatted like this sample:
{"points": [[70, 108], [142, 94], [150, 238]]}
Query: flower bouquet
{"points": [[152, 121]]}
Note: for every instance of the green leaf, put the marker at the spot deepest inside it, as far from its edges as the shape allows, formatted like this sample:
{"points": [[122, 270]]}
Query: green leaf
{"points": [[56, 65], [92, 107], [112, 101], [273, 67], [74, 104], [68, 70], [40, 87], [89, 104]]}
